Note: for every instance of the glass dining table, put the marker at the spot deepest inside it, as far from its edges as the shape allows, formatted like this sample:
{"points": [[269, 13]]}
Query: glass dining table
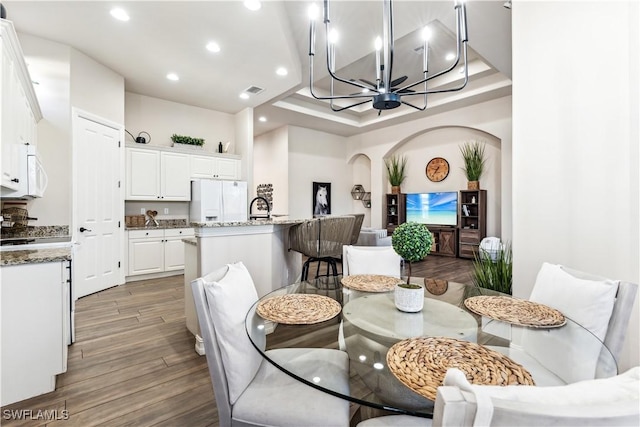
{"points": [[397, 359]]}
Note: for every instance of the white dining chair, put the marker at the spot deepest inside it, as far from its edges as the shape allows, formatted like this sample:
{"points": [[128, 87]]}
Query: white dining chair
{"points": [[613, 401], [603, 306], [370, 260], [249, 390]]}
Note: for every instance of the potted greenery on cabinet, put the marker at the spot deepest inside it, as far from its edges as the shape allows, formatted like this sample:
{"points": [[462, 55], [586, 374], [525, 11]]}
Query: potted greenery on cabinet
{"points": [[187, 140], [396, 172], [474, 162], [412, 241]]}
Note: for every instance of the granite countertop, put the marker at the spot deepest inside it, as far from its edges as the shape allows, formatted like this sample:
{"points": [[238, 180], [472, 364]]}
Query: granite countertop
{"points": [[251, 223], [191, 241], [162, 225], [31, 256]]}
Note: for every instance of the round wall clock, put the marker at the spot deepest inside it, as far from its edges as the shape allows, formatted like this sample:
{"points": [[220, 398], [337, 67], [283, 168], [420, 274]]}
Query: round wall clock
{"points": [[437, 169]]}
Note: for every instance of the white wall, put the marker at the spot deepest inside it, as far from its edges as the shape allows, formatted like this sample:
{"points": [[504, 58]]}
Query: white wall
{"points": [[271, 156], [67, 78], [50, 65], [96, 89], [161, 119], [575, 150], [317, 157]]}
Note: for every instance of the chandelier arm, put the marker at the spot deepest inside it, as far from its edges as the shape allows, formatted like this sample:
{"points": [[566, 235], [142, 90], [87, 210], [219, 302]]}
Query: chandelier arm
{"points": [[350, 106], [461, 48], [454, 89], [333, 74], [413, 106], [387, 32], [320, 97]]}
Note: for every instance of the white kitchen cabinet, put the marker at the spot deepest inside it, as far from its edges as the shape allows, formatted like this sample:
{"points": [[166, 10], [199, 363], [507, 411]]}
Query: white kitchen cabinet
{"points": [[214, 167], [226, 168], [156, 251], [35, 327], [19, 109], [157, 175]]}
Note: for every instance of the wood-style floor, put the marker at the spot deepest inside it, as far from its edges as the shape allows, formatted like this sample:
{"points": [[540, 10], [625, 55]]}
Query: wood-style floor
{"points": [[134, 364]]}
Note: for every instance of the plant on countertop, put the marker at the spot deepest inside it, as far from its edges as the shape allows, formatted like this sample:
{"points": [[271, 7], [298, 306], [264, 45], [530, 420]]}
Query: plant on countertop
{"points": [[492, 270], [188, 140], [396, 170], [412, 241], [474, 159]]}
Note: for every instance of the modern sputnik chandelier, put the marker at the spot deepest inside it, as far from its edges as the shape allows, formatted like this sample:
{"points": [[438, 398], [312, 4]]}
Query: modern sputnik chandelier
{"points": [[386, 93]]}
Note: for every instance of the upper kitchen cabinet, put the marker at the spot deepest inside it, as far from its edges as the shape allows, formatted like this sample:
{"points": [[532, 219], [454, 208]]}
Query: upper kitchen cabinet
{"points": [[19, 109], [215, 167], [157, 175]]}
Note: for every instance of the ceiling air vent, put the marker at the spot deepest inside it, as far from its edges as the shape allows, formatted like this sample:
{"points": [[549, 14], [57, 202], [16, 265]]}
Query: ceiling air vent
{"points": [[254, 90]]}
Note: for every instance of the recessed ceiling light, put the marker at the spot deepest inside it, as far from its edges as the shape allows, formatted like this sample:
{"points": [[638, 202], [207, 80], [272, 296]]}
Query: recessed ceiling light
{"points": [[282, 71], [252, 4], [244, 95], [173, 77], [119, 14], [450, 56], [262, 119], [213, 47]]}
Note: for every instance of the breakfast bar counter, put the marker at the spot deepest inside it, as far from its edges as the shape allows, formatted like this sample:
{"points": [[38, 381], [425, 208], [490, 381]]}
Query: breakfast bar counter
{"points": [[262, 245]]}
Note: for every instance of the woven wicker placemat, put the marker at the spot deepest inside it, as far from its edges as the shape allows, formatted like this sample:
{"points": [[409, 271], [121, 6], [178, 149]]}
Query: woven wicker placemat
{"points": [[516, 311], [421, 364], [370, 282], [436, 286], [298, 309]]}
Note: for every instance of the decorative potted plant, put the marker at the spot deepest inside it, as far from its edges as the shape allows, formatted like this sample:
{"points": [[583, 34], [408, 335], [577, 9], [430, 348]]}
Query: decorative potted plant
{"points": [[187, 140], [412, 241], [493, 269], [396, 171], [474, 162]]}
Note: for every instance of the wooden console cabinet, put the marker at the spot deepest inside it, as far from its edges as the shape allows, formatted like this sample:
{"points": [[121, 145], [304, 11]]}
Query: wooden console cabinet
{"points": [[472, 220], [445, 241]]}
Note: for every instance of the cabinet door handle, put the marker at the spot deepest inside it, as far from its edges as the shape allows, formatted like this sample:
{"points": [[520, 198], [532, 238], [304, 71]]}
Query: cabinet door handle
{"points": [[82, 229], [15, 180]]}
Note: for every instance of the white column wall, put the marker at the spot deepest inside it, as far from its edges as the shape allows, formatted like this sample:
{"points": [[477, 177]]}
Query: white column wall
{"points": [[575, 150], [320, 157], [271, 157]]}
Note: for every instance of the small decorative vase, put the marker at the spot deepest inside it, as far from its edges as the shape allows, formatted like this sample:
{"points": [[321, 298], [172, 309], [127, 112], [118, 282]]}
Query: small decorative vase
{"points": [[409, 298], [395, 189], [473, 185]]}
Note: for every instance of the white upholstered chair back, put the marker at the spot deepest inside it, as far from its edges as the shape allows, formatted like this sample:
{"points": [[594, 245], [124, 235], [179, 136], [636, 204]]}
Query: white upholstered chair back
{"points": [[370, 260]]}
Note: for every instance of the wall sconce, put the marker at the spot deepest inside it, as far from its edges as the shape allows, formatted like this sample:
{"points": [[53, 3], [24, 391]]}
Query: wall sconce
{"points": [[358, 193]]}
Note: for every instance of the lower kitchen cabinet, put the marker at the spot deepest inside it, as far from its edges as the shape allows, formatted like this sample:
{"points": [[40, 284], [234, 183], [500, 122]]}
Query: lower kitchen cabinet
{"points": [[156, 251], [35, 328]]}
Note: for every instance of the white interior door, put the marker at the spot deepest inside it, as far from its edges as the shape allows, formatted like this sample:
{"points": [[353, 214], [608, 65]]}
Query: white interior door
{"points": [[98, 204]]}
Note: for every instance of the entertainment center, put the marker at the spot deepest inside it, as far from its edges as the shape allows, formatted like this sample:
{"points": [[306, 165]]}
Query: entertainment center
{"points": [[457, 220]]}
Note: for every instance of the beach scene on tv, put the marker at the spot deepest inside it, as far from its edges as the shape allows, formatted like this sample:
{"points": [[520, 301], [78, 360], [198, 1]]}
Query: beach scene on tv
{"points": [[433, 208]]}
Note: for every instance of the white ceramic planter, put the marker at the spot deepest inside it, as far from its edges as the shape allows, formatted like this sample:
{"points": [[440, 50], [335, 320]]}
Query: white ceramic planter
{"points": [[408, 299]]}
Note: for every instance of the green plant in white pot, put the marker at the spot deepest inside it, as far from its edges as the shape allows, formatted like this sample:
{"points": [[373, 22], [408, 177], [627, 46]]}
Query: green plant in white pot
{"points": [[412, 241], [474, 162]]}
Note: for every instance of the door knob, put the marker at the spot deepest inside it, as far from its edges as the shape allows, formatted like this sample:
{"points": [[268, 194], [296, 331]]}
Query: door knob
{"points": [[82, 229]]}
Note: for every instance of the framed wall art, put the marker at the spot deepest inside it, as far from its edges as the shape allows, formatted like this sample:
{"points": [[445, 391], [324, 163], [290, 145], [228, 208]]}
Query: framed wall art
{"points": [[321, 199]]}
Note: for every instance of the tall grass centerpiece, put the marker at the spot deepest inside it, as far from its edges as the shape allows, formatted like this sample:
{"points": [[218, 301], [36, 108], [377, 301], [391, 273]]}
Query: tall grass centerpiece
{"points": [[493, 270], [396, 172], [474, 162]]}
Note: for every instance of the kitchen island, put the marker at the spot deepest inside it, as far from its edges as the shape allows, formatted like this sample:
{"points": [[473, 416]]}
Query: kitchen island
{"points": [[262, 245]]}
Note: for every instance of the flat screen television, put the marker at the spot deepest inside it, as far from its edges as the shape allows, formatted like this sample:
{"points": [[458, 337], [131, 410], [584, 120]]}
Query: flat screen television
{"points": [[433, 208]]}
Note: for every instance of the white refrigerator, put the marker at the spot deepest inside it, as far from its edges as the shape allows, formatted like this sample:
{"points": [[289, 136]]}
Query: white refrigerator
{"points": [[218, 201]]}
